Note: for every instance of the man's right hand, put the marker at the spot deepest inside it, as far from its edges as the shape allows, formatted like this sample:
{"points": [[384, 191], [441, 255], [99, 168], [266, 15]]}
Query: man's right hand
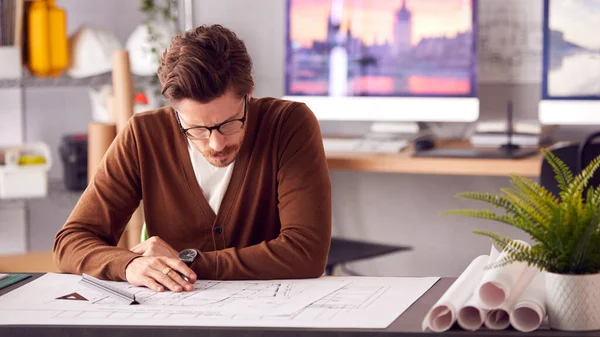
{"points": [[158, 273]]}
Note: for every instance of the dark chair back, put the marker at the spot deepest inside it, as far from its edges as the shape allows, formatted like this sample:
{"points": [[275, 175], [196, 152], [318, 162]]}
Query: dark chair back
{"points": [[576, 157]]}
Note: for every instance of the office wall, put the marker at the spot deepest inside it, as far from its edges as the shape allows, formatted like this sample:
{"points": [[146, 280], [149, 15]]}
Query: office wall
{"points": [[389, 208]]}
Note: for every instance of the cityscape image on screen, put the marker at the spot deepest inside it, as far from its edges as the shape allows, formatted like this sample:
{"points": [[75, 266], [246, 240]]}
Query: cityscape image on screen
{"points": [[572, 49], [381, 48]]}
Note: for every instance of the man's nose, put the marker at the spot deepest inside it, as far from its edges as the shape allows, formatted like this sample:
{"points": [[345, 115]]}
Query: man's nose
{"points": [[217, 141]]}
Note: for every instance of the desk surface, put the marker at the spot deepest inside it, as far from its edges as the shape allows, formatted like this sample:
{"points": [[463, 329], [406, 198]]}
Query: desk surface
{"points": [[403, 162], [408, 324]]}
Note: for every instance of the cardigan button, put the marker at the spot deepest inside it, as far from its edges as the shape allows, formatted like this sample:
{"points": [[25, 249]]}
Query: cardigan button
{"points": [[218, 229]]}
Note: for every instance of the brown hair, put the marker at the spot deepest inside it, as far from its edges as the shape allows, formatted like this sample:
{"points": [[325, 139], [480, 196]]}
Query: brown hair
{"points": [[204, 63]]}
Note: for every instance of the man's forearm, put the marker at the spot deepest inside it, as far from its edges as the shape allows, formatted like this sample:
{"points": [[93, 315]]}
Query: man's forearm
{"points": [[78, 251], [288, 256]]}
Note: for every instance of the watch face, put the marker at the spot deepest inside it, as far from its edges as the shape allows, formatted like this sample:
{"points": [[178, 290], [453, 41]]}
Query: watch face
{"points": [[188, 255]]}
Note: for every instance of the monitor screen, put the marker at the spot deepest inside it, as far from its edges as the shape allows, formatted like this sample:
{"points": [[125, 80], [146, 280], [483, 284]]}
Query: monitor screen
{"points": [[572, 51], [382, 48], [571, 62]]}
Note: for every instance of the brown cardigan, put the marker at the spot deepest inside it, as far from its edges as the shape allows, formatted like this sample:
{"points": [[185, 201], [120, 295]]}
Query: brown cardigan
{"points": [[274, 221]]}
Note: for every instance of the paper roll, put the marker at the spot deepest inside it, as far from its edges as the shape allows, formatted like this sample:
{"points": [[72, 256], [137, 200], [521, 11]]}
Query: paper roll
{"points": [[471, 316], [112, 110], [134, 229], [443, 314], [123, 110], [529, 311], [122, 88], [497, 284], [100, 136], [499, 319]]}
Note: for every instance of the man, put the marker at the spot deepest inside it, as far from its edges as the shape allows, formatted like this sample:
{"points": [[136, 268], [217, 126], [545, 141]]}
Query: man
{"points": [[239, 185]]}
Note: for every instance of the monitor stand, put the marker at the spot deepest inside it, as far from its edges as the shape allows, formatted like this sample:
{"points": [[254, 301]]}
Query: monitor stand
{"points": [[505, 151]]}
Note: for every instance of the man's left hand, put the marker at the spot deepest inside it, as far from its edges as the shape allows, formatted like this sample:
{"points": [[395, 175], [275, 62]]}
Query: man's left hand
{"points": [[155, 246]]}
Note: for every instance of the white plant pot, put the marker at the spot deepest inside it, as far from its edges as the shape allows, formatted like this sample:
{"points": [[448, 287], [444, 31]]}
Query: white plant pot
{"points": [[573, 301]]}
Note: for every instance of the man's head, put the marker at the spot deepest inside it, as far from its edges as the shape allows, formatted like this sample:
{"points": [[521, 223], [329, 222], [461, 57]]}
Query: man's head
{"points": [[206, 74]]}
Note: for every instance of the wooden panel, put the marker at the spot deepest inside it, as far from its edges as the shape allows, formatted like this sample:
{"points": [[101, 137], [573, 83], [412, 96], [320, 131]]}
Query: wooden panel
{"points": [[37, 262]]}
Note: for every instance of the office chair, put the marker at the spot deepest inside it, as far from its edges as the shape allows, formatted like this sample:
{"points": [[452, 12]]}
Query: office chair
{"points": [[341, 251], [576, 157]]}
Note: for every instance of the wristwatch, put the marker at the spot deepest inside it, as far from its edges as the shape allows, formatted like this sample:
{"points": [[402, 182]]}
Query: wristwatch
{"points": [[188, 256]]}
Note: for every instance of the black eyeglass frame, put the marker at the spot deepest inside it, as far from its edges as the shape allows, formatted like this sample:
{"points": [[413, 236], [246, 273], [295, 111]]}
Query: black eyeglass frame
{"points": [[215, 127]]}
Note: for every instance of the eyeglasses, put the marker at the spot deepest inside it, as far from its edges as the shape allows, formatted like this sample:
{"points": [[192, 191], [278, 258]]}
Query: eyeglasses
{"points": [[226, 128]]}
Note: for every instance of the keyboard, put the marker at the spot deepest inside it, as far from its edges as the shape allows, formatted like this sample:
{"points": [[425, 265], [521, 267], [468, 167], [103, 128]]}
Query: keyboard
{"points": [[364, 145]]}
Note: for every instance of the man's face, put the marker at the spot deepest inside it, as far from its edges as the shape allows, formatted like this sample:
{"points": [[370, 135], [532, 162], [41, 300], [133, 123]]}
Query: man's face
{"points": [[220, 150]]}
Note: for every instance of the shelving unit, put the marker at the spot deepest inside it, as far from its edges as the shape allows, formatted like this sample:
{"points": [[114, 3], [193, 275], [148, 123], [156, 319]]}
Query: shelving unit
{"points": [[29, 81]]}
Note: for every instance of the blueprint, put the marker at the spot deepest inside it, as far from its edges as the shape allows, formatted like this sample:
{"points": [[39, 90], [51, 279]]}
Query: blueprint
{"points": [[351, 302]]}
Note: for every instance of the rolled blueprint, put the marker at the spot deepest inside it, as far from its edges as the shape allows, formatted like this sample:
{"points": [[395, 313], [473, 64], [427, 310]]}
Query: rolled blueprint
{"points": [[497, 285], [499, 319], [122, 88], [471, 316], [100, 136], [123, 110], [530, 310], [443, 314]]}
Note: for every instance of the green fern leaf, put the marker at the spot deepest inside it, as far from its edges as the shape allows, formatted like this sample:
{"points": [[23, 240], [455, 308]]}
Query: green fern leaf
{"points": [[499, 242], [575, 190], [494, 200], [564, 176], [535, 232], [545, 201], [583, 241], [528, 208]]}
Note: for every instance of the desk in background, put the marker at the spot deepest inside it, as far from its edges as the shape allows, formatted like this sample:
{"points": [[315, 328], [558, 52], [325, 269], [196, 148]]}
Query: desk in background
{"points": [[403, 162]]}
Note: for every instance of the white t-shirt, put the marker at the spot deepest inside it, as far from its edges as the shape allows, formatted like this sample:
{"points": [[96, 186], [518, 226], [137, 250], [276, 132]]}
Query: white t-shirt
{"points": [[213, 180]]}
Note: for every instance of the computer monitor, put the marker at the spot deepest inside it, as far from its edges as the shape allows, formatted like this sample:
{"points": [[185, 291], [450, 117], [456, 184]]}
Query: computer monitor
{"points": [[571, 63], [383, 60]]}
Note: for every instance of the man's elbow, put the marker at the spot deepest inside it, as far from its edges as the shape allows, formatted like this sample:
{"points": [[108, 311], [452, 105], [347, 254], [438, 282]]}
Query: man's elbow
{"points": [[313, 266], [315, 271], [59, 254]]}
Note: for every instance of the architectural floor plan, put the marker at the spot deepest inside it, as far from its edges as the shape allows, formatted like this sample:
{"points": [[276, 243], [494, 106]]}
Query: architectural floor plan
{"points": [[352, 302]]}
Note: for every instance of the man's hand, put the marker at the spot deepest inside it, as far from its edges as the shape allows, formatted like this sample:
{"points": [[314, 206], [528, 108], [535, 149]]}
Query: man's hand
{"points": [[155, 246], [157, 273]]}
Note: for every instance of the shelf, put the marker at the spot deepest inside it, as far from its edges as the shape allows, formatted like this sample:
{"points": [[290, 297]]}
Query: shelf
{"points": [[29, 81], [57, 193]]}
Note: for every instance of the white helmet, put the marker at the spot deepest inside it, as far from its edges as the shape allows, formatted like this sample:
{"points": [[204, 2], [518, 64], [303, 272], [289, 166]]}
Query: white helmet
{"points": [[91, 52], [143, 61]]}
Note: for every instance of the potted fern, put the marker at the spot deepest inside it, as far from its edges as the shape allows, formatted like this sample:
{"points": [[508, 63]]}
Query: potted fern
{"points": [[565, 231]]}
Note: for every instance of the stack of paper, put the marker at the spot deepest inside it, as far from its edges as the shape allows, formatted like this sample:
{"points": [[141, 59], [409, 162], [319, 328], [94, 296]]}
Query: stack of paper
{"points": [[497, 297]]}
